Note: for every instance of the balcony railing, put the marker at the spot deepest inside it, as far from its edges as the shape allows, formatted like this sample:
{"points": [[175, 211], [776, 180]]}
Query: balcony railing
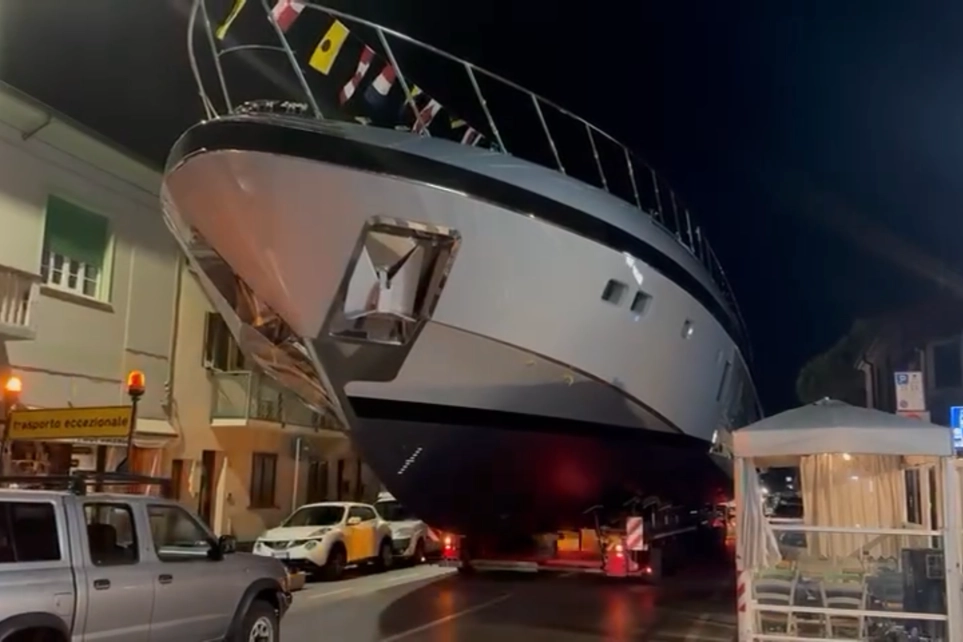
{"points": [[492, 111], [245, 396], [19, 292]]}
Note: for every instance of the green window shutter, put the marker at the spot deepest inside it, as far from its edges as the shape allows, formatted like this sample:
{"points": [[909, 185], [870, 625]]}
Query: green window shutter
{"points": [[75, 232]]}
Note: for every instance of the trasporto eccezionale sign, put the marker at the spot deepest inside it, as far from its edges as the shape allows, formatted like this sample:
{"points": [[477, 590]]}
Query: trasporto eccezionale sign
{"points": [[70, 423]]}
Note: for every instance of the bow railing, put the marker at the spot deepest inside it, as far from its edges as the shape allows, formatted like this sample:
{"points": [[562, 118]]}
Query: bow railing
{"points": [[493, 112]]}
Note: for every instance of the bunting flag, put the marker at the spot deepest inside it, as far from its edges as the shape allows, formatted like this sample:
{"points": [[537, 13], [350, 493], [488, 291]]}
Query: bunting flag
{"points": [[425, 116], [328, 49], [458, 123], [364, 63], [222, 30], [381, 85], [285, 12]]}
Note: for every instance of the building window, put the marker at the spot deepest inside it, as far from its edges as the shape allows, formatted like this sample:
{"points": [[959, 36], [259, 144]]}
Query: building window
{"points": [[76, 248], [221, 351], [264, 469], [947, 372]]}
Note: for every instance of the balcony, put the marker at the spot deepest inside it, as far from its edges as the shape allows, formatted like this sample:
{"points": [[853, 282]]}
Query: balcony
{"points": [[245, 398], [19, 292]]}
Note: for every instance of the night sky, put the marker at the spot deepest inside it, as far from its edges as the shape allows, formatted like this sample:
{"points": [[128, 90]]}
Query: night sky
{"points": [[800, 133]]}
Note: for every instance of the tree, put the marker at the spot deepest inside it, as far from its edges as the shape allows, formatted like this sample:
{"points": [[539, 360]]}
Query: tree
{"points": [[834, 373]]}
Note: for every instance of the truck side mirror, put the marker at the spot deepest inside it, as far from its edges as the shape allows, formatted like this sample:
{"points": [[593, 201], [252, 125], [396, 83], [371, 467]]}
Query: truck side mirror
{"points": [[227, 544]]}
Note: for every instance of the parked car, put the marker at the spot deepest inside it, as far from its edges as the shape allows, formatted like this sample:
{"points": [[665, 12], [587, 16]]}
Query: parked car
{"points": [[127, 567], [410, 537], [328, 537]]}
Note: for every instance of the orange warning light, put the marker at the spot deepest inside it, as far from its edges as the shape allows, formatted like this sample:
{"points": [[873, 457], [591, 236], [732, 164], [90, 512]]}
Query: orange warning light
{"points": [[136, 382], [13, 386]]}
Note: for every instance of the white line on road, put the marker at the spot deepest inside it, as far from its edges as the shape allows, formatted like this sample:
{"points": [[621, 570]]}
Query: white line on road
{"points": [[447, 618], [317, 596]]}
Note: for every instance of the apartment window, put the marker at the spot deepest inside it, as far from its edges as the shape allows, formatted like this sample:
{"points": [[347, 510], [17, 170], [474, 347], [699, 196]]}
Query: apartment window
{"points": [[947, 372], [221, 351], [76, 248], [264, 470]]}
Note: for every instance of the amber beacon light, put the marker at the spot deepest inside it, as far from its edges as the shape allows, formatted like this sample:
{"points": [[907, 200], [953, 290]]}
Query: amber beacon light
{"points": [[136, 383]]}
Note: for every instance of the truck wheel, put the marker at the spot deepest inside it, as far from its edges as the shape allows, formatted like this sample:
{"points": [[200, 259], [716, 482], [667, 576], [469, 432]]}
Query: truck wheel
{"points": [[386, 556], [260, 623], [334, 567]]}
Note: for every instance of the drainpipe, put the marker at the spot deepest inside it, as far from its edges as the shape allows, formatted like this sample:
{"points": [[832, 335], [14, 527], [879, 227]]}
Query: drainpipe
{"points": [[172, 347]]}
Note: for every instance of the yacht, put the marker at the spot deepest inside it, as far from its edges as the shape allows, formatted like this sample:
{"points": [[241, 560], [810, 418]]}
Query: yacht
{"points": [[506, 340]]}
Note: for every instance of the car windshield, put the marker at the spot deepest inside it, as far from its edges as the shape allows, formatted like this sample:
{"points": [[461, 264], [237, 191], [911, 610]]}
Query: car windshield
{"points": [[315, 516], [393, 511]]}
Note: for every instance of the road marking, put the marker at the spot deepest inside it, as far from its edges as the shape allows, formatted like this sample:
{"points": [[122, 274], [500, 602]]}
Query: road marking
{"points": [[447, 618], [317, 596], [360, 587]]}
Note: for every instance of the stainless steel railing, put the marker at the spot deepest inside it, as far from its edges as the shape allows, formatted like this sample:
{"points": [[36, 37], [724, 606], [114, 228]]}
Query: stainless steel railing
{"points": [[615, 168]]}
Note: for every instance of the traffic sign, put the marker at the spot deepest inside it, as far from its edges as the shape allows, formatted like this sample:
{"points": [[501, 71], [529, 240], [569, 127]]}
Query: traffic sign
{"points": [[102, 422], [909, 391]]}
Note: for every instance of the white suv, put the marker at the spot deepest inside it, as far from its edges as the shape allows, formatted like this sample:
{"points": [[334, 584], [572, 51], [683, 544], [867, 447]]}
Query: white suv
{"points": [[326, 538], [410, 536]]}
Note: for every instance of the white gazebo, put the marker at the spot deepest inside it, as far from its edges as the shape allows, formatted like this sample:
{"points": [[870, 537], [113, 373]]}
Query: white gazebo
{"points": [[876, 550]]}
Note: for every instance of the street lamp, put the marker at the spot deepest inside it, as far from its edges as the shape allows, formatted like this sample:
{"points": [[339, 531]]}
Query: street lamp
{"points": [[12, 388], [136, 386]]}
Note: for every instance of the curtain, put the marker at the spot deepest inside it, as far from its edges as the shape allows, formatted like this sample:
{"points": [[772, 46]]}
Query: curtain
{"points": [[855, 491]]}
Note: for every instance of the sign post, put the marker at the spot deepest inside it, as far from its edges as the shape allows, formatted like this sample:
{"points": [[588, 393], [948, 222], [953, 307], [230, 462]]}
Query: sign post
{"points": [[136, 385], [12, 388]]}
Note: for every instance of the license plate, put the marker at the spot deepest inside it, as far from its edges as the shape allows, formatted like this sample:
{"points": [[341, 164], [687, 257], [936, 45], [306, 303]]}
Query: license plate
{"points": [[282, 555]]}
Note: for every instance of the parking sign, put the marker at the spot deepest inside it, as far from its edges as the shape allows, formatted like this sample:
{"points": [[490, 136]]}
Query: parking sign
{"points": [[909, 391]]}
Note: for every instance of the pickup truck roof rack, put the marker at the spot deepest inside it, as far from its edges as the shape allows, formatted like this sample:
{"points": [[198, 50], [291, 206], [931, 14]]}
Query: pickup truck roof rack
{"points": [[79, 482]]}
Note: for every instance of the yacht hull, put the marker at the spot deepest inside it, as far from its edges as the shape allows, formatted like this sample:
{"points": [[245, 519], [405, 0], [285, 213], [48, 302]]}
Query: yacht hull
{"points": [[519, 392]]}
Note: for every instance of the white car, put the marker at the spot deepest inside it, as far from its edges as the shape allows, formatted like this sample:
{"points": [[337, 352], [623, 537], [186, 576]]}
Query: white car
{"points": [[410, 536], [328, 537]]}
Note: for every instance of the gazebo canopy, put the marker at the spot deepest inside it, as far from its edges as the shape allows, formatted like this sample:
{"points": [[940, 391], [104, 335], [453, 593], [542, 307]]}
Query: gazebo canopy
{"points": [[830, 426]]}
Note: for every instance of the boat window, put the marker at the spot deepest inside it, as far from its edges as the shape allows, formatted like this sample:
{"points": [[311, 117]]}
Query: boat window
{"points": [[724, 380], [614, 292], [640, 302]]}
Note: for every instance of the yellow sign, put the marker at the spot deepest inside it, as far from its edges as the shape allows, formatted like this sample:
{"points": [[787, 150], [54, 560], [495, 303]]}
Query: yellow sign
{"points": [[70, 423]]}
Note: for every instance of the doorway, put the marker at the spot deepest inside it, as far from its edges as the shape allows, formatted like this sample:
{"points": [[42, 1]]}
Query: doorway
{"points": [[205, 498]]}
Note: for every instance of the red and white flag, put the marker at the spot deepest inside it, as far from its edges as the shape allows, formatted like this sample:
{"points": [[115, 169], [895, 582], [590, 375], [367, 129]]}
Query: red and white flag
{"points": [[364, 63], [426, 115], [381, 85], [471, 137], [285, 12]]}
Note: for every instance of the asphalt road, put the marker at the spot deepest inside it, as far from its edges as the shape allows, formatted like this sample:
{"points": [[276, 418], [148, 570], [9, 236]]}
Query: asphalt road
{"points": [[430, 604]]}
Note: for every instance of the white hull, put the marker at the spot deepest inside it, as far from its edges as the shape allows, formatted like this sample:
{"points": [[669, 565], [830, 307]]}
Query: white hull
{"points": [[520, 325]]}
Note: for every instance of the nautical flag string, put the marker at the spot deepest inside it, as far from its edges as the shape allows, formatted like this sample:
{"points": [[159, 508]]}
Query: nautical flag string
{"points": [[285, 12], [329, 47], [426, 115], [364, 63], [225, 26], [380, 87]]}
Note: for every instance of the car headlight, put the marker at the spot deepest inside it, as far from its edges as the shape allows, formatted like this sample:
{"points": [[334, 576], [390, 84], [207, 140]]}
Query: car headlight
{"points": [[310, 544], [320, 532]]}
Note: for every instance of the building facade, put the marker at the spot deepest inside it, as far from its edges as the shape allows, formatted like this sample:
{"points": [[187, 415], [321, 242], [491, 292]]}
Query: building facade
{"points": [[92, 286]]}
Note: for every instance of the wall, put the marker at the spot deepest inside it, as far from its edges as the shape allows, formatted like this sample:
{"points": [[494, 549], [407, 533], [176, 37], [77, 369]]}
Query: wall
{"points": [[191, 416], [84, 348]]}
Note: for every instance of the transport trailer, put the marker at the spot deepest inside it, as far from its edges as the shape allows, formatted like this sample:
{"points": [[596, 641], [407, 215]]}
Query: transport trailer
{"points": [[645, 545]]}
